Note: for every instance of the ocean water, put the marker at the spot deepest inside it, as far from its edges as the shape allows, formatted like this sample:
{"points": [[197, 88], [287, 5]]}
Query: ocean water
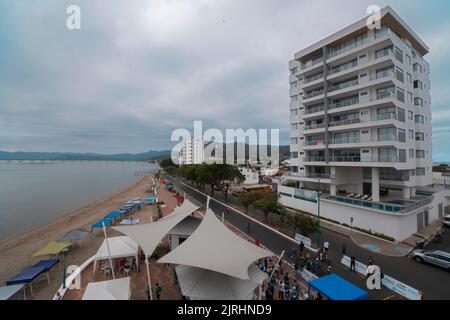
{"points": [[31, 195]]}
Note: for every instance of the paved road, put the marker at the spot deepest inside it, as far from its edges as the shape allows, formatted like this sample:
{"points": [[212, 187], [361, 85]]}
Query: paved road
{"points": [[433, 281]]}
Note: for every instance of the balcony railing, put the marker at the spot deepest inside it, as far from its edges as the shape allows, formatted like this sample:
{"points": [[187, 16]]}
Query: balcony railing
{"points": [[313, 78], [379, 159], [344, 103], [384, 116], [345, 140], [311, 63], [315, 126], [383, 74], [344, 122], [315, 143], [389, 137], [343, 67], [343, 85], [315, 109], [313, 94], [311, 175], [335, 52], [384, 95]]}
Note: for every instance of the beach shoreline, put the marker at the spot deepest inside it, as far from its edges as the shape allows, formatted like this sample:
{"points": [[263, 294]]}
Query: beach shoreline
{"points": [[16, 251]]}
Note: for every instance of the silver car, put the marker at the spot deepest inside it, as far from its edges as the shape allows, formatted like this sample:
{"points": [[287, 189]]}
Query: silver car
{"points": [[438, 258]]}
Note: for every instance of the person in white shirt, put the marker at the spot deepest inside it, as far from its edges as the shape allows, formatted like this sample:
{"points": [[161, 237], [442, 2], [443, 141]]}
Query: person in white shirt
{"points": [[326, 245]]}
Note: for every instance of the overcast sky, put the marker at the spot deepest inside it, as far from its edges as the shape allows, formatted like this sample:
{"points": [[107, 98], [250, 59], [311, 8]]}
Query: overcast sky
{"points": [[139, 69]]}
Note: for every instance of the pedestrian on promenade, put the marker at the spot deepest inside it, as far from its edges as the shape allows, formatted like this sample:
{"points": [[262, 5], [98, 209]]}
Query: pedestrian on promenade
{"points": [[353, 263], [257, 242], [344, 249], [248, 227], [281, 290], [370, 260], [302, 247], [148, 293], [158, 291], [326, 246]]}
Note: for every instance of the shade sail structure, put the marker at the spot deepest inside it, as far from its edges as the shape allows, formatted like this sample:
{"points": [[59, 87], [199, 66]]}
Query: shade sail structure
{"points": [[75, 235], [52, 248], [335, 288], [149, 235], [9, 291], [186, 227], [118, 289], [215, 247], [202, 284]]}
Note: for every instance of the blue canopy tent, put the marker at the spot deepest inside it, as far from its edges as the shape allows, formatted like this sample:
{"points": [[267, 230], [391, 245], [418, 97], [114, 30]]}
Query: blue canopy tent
{"points": [[26, 277], [112, 215], [334, 287], [99, 224]]}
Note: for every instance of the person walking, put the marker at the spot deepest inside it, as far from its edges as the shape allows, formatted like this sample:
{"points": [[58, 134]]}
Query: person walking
{"points": [[281, 290], [148, 293], [248, 228], [353, 263], [158, 291], [326, 246], [302, 247]]}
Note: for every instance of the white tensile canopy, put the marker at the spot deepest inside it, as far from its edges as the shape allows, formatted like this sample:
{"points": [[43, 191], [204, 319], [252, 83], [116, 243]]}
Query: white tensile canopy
{"points": [[118, 289], [149, 235], [119, 247], [215, 247], [201, 284]]}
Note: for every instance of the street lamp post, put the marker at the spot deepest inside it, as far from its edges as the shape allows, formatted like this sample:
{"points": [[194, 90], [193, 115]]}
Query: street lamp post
{"points": [[318, 213]]}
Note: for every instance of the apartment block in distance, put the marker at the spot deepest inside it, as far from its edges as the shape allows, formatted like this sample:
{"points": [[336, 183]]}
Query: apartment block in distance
{"points": [[192, 152], [360, 122]]}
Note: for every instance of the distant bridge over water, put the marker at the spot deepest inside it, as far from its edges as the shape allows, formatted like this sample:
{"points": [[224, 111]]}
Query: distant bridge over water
{"points": [[50, 161]]}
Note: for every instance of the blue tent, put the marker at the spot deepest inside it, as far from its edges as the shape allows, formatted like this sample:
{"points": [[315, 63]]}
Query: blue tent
{"points": [[112, 215], [335, 288], [99, 224]]}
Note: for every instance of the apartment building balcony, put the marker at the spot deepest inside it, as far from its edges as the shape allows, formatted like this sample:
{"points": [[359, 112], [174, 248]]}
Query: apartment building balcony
{"points": [[343, 85], [309, 66], [310, 177], [313, 94]]}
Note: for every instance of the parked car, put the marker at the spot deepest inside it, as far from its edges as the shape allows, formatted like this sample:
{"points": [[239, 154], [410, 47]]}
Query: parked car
{"points": [[438, 258], [447, 221]]}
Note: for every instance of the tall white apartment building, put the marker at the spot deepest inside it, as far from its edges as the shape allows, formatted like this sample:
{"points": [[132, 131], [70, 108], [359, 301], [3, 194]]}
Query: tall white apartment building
{"points": [[191, 152], [360, 119]]}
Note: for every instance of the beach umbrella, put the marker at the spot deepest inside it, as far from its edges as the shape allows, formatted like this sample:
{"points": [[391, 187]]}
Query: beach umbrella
{"points": [[52, 248], [99, 224], [112, 215]]}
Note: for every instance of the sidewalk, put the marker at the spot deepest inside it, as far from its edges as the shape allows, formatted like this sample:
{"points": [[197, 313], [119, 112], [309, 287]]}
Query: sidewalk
{"points": [[368, 242]]}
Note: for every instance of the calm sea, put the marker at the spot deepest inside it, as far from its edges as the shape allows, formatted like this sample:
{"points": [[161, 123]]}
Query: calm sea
{"points": [[34, 194]]}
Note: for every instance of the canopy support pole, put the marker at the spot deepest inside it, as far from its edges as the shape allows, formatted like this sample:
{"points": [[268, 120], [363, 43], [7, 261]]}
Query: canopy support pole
{"points": [[148, 277], [109, 251], [277, 265]]}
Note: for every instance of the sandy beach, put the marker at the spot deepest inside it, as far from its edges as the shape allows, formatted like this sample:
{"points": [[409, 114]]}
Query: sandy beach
{"points": [[16, 252]]}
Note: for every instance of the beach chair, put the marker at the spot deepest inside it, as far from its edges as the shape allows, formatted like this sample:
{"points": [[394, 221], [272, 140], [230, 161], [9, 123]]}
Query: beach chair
{"points": [[365, 197]]}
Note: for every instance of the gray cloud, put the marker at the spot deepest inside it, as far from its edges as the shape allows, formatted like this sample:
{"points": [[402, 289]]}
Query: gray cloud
{"points": [[139, 69]]}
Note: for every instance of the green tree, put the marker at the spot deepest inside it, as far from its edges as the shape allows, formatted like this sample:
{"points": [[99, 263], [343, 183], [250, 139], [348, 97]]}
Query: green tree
{"points": [[269, 204], [302, 223], [247, 199]]}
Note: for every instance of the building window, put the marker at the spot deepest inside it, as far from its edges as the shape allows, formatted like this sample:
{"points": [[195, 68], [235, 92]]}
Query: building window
{"points": [[418, 84], [408, 59], [409, 77], [294, 98], [410, 97], [294, 126], [420, 171], [411, 134], [419, 119], [410, 115], [411, 153], [293, 71], [399, 54], [400, 94], [294, 140], [420, 136], [420, 154], [294, 112], [418, 102], [294, 84], [417, 68], [294, 155]]}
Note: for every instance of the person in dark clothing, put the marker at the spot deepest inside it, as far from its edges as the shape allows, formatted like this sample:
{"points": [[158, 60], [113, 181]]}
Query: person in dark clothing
{"points": [[302, 247], [158, 291], [344, 250], [353, 263]]}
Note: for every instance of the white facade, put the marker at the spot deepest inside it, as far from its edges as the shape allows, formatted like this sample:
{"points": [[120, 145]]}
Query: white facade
{"points": [[360, 122], [192, 152], [360, 110], [251, 176]]}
